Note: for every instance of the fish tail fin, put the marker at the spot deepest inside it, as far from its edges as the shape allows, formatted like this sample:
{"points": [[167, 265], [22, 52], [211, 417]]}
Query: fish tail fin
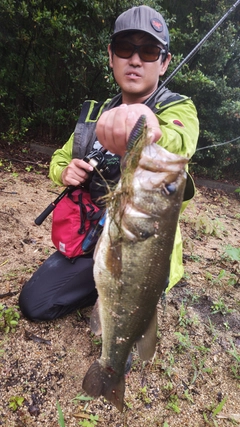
{"points": [[98, 381]]}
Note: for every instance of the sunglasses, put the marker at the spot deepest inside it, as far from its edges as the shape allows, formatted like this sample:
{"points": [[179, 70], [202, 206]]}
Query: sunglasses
{"points": [[146, 52]]}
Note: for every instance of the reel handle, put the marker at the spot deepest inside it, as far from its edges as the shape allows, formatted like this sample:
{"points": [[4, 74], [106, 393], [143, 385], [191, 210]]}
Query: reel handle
{"points": [[39, 220]]}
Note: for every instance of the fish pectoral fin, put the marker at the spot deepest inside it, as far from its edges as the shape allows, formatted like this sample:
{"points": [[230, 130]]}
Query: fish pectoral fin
{"points": [[146, 345], [95, 322], [99, 381]]}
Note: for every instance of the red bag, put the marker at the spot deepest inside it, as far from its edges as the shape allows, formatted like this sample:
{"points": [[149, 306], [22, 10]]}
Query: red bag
{"points": [[71, 221]]}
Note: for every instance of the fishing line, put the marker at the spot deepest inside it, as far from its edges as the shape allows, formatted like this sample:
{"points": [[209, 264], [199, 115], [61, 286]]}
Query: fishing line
{"points": [[218, 145]]}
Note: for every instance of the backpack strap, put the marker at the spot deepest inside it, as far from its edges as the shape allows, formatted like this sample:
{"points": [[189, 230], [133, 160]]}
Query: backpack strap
{"points": [[79, 202], [163, 98], [91, 214], [84, 133]]}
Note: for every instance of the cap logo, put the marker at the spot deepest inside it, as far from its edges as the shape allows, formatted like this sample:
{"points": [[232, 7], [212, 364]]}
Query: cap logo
{"points": [[157, 25]]}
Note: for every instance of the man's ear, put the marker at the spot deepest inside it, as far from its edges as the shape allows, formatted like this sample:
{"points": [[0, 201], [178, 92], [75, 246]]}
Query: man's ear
{"points": [[165, 64], [110, 56]]}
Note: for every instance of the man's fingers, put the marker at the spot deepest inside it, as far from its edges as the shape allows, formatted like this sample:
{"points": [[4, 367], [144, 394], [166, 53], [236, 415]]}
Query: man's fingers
{"points": [[114, 126], [111, 129], [76, 172]]}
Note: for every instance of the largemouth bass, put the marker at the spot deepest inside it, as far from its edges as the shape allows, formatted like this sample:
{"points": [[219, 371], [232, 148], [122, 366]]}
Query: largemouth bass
{"points": [[132, 259]]}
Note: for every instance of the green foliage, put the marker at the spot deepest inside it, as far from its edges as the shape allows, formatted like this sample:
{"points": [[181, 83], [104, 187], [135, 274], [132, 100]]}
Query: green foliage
{"points": [[235, 368], [184, 319], [209, 419], [232, 253], [217, 279], [173, 404], [9, 318], [188, 396], [81, 398], [219, 407], [212, 79], [60, 415], [207, 226], [93, 419], [184, 342], [143, 395], [220, 307], [51, 59], [54, 56], [15, 402]]}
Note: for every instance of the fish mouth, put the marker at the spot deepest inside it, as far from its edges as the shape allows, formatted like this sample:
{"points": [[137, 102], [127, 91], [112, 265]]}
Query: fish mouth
{"points": [[131, 211], [156, 159], [135, 212]]}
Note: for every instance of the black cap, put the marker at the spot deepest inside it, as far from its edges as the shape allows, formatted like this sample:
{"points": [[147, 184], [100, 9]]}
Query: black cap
{"points": [[143, 18]]}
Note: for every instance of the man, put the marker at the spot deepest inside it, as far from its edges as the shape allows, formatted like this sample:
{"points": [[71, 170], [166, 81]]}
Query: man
{"points": [[138, 55]]}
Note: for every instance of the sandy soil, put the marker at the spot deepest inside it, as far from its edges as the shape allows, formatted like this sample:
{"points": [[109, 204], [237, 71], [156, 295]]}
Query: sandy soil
{"points": [[193, 380]]}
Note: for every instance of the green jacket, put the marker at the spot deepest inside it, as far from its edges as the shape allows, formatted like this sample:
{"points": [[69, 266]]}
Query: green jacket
{"points": [[180, 129], [176, 114]]}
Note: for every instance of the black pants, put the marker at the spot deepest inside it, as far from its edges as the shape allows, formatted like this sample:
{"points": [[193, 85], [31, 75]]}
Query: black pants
{"points": [[58, 287]]}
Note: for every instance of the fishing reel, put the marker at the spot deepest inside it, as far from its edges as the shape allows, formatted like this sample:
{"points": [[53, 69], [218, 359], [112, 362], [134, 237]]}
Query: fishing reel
{"points": [[97, 160]]}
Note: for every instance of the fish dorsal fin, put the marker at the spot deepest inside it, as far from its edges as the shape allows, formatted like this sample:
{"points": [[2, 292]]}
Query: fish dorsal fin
{"points": [[146, 345]]}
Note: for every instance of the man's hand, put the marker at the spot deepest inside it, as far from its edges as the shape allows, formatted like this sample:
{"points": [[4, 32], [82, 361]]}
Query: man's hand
{"points": [[114, 126], [76, 172]]}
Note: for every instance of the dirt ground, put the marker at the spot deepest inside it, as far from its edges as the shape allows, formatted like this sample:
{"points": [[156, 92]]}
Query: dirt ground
{"points": [[193, 380]]}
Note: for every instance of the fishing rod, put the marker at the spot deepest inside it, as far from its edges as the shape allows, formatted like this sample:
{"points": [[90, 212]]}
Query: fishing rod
{"points": [[195, 50], [190, 55], [197, 47]]}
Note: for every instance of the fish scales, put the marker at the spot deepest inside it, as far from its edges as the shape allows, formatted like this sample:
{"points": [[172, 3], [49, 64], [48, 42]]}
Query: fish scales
{"points": [[132, 260]]}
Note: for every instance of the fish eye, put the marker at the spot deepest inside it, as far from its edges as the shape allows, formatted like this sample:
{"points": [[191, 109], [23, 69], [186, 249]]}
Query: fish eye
{"points": [[145, 234], [169, 189]]}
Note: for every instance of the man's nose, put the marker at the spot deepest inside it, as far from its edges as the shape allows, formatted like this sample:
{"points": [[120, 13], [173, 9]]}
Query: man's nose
{"points": [[135, 58]]}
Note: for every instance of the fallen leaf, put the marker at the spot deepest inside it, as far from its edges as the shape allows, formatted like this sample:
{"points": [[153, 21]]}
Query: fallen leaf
{"points": [[230, 416]]}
